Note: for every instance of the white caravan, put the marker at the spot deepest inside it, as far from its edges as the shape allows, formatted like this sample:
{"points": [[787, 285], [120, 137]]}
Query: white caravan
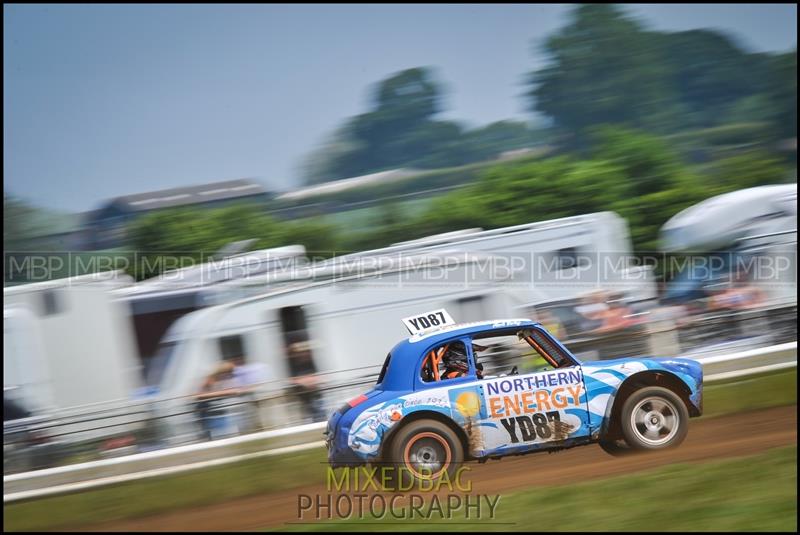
{"points": [[349, 317], [557, 259], [68, 343], [154, 304], [753, 229], [542, 261]]}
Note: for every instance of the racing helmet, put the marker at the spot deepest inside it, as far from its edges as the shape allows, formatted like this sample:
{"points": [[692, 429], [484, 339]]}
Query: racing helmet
{"points": [[455, 358]]}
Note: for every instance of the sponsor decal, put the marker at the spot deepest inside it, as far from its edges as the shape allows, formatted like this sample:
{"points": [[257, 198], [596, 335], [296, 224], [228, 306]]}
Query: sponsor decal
{"points": [[533, 407]]}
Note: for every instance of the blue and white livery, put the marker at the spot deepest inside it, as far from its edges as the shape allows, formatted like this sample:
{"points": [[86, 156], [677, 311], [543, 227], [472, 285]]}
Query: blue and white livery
{"points": [[416, 418]]}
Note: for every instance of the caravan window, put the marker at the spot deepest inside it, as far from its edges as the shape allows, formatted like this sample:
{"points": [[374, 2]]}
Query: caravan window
{"points": [[570, 257], [231, 347], [471, 309], [52, 302], [299, 349]]}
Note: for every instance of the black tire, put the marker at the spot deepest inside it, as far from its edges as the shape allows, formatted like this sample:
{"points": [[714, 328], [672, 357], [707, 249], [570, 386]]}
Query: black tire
{"points": [[654, 418], [617, 448], [437, 442]]}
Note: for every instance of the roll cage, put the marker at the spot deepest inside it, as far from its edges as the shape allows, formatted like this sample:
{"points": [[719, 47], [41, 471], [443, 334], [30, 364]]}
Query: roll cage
{"points": [[536, 337]]}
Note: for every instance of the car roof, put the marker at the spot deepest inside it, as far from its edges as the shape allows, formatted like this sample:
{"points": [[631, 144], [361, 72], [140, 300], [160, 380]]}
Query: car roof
{"points": [[469, 328], [407, 351]]}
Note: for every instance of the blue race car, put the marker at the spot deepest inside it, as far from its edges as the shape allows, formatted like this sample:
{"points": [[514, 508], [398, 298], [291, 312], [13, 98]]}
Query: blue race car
{"points": [[438, 401]]}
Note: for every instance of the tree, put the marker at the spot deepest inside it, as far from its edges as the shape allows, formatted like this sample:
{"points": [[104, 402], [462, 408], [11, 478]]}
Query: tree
{"points": [[14, 222], [401, 130], [603, 69], [319, 238], [489, 141], [648, 165], [711, 73], [606, 68], [782, 92], [195, 234], [747, 170], [630, 172], [398, 129]]}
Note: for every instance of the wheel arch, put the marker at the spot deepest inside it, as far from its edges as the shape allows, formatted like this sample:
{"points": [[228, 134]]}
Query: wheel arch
{"points": [[611, 425], [426, 415]]}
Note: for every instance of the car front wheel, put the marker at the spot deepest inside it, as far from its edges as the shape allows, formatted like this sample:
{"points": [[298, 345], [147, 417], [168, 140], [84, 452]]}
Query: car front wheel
{"points": [[654, 418]]}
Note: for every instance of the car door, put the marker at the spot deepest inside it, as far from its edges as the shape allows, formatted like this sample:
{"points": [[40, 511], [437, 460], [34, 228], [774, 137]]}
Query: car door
{"points": [[537, 409]]}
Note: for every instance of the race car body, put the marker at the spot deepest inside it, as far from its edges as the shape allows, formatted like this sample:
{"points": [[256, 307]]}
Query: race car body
{"points": [[427, 419]]}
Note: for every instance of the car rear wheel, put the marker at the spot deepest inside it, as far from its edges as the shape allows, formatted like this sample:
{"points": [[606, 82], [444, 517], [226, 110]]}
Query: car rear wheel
{"points": [[654, 418], [423, 451]]}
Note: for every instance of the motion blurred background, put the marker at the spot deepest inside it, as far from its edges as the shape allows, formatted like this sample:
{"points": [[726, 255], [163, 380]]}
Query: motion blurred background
{"points": [[212, 212]]}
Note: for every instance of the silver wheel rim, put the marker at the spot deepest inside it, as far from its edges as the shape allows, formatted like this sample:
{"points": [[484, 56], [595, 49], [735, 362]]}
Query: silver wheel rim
{"points": [[427, 456], [655, 421]]}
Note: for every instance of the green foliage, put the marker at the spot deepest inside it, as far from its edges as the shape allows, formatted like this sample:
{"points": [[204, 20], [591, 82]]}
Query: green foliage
{"points": [[14, 216], [603, 69], [319, 238], [401, 131], [632, 173], [180, 236], [25, 226], [748, 169], [782, 93], [606, 68], [710, 72]]}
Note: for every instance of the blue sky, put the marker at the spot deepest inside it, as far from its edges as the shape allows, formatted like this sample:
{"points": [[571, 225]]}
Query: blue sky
{"points": [[107, 100]]}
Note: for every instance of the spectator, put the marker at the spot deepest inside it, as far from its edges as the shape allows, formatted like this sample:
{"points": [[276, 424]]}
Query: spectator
{"points": [[248, 377], [217, 393], [616, 318], [739, 295], [305, 383], [593, 311], [551, 323]]}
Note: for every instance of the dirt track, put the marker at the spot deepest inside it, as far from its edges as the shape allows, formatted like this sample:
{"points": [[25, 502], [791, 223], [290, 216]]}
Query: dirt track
{"points": [[727, 436]]}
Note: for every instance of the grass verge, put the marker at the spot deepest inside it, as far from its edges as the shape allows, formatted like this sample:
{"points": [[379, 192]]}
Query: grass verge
{"points": [[754, 493]]}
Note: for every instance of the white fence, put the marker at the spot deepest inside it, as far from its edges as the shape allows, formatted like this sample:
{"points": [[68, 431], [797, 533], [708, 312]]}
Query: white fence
{"points": [[163, 462]]}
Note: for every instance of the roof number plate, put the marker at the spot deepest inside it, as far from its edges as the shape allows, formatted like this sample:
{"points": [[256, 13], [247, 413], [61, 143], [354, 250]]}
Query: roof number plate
{"points": [[428, 320]]}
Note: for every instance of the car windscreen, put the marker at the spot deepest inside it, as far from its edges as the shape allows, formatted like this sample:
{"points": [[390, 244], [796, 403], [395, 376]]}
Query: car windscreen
{"points": [[548, 348]]}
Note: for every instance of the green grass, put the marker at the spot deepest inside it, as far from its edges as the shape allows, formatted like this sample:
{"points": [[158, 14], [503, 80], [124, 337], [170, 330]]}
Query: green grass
{"points": [[280, 473], [750, 393], [151, 496], [755, 493]]}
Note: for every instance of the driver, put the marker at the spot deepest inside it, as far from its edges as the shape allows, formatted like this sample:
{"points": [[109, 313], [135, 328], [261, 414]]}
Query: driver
{"points": [[456, 364]]}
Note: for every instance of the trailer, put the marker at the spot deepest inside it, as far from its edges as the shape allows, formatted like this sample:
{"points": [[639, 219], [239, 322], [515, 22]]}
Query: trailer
{"points": [[344, 318], [555, 259], [154, 304], [751, 231], [68, 342]]}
